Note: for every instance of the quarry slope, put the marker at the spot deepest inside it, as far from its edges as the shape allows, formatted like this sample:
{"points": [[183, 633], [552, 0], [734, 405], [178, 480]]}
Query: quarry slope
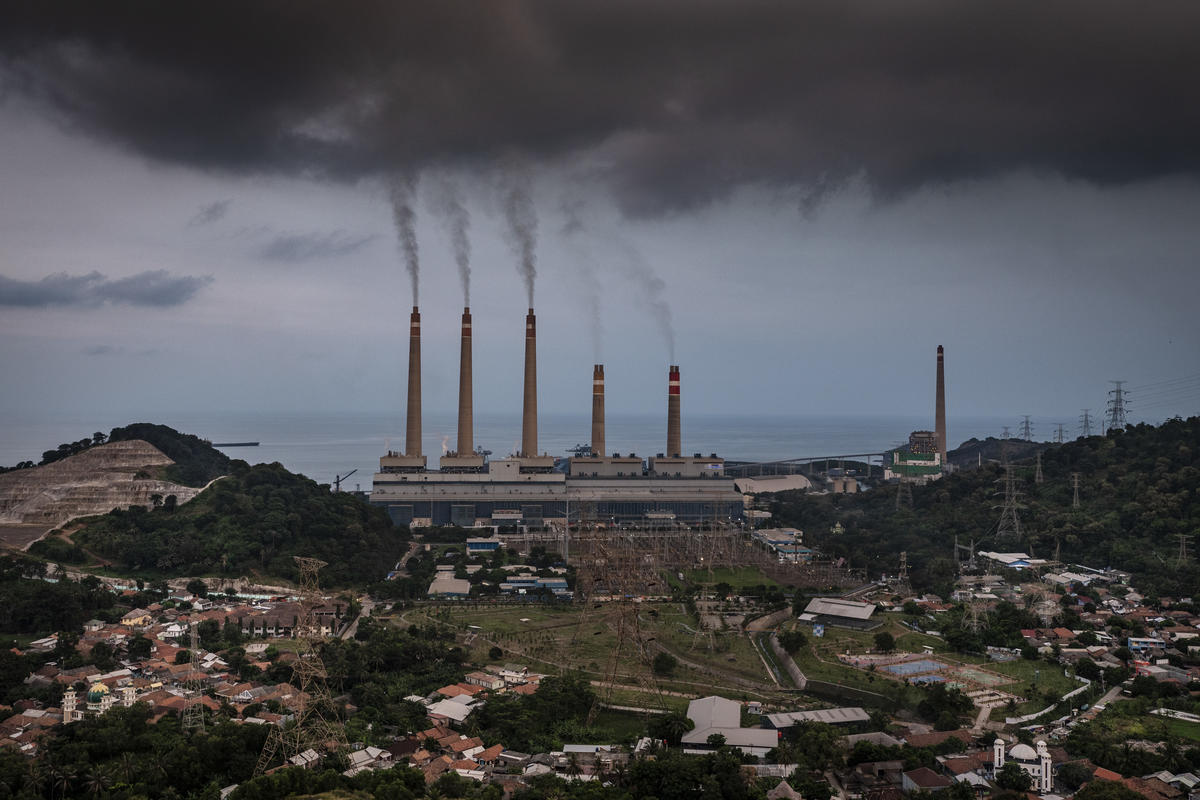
{"points": [[37, 500]]}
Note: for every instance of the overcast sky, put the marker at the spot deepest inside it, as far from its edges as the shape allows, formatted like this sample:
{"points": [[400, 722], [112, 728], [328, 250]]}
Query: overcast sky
{"points": [[796, 202]]}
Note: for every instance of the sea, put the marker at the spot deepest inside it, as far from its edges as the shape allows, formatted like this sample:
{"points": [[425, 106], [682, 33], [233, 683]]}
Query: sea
{"points": [[325, 445]]}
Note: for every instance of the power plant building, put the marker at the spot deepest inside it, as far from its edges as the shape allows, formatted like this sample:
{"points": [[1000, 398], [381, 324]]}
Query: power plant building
{"points": [[529, 490]]}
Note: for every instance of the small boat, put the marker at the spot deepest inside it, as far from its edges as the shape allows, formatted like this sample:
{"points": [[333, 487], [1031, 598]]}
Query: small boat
{"points": [[236, 444]]}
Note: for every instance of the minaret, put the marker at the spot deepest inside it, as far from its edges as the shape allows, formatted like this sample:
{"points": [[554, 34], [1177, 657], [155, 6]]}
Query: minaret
{"points": [[940, 406], [598, 410], [466, 421], [529, 447], [70, 706], [674, 448], [1046, 772], [412, 440]]}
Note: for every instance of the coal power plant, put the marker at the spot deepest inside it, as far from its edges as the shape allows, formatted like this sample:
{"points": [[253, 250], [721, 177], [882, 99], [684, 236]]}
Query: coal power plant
{"points": [[531, 491]]}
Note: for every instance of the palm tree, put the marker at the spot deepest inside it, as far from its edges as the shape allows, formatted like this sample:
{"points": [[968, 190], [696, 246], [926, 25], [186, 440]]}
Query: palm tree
{"points": [[97, 780]]}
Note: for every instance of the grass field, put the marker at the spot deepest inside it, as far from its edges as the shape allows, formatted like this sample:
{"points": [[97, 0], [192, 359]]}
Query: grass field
{"points": [[559, 638], [737, 577]]}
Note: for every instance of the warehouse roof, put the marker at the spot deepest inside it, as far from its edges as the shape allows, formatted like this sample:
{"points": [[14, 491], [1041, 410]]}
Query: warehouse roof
{"points": [[830, 716], [836, 607]]}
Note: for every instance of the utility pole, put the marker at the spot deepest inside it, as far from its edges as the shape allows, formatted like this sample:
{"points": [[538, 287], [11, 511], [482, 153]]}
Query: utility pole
{"points": [[1116, 405], [1075, 487], [1085, 423], [1009, 526], [1058, 432], [1026, 429]]}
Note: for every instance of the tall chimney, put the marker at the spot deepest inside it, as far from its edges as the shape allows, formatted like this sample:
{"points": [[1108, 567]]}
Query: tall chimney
{"points": [[529, 415], [412, 441], [466, 417], [940, 409], [598, 410], [673, 446]]}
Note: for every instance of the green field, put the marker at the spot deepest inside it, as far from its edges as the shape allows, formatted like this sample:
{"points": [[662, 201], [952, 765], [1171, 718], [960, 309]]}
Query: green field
{"points": [[737, 577], [560, 638]]}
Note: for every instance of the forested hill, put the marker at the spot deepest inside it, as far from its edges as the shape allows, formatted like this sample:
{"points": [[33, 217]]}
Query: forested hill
{"points": [[1138, 490], [252, 523], [196, 461]]}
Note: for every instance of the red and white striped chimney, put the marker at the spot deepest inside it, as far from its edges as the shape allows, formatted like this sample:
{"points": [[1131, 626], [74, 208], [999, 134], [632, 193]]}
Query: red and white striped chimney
{"points": [[673, 446]]}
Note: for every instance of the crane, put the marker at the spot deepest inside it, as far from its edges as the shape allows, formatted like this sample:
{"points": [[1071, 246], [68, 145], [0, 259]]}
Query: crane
{"points": [[337, 479]]}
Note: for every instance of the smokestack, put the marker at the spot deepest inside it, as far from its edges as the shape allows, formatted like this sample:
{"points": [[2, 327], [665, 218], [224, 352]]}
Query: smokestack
{"points": [[529, 416], [466, 416], [940, 409], [673, 446], [598, 410], [412, 442]]}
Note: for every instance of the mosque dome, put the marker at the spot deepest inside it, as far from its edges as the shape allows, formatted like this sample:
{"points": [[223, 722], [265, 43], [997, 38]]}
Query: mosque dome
{"points": [[97, 693], [1023, 752]]}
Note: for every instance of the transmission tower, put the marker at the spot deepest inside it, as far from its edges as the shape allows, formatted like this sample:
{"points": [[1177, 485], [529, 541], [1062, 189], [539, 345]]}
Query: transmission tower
{"points": [[1058, 432], [313, 726], [1037, 473], [1116, 406], [1005, 433], [970, 620], [193, 713], [1026, 429], [1075, 488], [632, 646], [1184, 540], [904, 494], [1085, 423], [967, 563], [1009, 527]]}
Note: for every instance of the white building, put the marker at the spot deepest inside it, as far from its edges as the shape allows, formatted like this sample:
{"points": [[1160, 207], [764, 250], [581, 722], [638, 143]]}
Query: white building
{"points": [[1035, 762]]}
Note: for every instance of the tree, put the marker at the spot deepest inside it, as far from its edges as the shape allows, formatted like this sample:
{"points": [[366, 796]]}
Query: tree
{"points": [[670, 727], [138, 648], [911, 608], [197, 587], [1013, 778], [716, 740], [792, 641], [885, 642], [664, 664], [183, 657], [495, 654]]}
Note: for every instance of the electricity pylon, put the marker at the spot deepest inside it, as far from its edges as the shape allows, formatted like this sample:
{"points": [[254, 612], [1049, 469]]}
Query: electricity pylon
{"points": [[313, 727], [1010, 522], [1116, 406]]}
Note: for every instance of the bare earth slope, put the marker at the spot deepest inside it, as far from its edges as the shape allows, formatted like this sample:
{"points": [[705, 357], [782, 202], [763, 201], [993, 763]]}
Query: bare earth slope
{"points": [[35, 501]]}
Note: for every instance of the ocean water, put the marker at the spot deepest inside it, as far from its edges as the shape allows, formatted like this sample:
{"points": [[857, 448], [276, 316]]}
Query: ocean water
{"points": [[323, 445]]}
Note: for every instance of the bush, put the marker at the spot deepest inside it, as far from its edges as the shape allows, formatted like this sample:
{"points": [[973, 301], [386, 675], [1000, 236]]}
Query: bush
{"points": [[664, 664]]}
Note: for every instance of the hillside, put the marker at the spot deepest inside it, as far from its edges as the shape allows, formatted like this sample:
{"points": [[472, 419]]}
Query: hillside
{"points": [[251, 523], [102, 477], [1138, 491]]}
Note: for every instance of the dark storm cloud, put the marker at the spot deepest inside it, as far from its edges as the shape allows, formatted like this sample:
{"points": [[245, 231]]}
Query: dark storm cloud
{"points": [[210, 213], [155, 288], [309, 246], [680, 100]]}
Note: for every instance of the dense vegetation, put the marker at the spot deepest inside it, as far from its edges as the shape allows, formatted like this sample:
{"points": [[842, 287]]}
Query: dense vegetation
{"points": [[40, 607], [1138, 490], [196, 461], [252, 523]]}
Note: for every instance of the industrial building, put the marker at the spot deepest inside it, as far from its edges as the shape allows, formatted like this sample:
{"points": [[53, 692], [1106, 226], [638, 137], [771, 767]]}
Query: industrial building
{"points": [[532, 490]]}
